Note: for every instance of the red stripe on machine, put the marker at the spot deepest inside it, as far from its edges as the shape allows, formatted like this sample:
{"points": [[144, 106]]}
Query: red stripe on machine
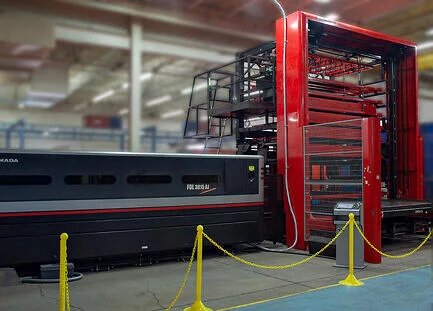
{"points": [[126, 210]]}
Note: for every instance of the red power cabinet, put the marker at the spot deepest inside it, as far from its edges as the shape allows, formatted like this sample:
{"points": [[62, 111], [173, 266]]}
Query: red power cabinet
{"points": [[335, 73]]}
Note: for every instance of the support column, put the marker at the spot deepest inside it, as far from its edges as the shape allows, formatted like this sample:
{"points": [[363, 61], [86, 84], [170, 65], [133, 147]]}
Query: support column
{"points": [[134, 143]]}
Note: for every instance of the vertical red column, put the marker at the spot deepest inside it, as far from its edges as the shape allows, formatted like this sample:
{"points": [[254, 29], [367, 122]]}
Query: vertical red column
{"points": [[292, 118], [372, 210], [409, 149]]}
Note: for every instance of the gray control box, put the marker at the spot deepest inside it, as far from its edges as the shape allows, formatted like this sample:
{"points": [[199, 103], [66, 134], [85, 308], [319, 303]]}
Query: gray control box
{"points": [[341, 215]]}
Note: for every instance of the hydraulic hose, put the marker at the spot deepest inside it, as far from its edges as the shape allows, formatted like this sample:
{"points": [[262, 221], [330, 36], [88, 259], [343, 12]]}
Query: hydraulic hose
{"points": [[286, 165]]}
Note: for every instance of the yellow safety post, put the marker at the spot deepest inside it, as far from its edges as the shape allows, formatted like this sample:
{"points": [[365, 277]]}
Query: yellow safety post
{"points": [[63, 272], [351, 279], [198, 305]]}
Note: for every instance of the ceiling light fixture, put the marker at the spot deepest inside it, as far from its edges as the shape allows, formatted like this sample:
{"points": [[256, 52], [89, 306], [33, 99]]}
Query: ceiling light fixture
{"points": [[38, 103], [123, 111], [102, 96], [171, 114], [331, 16], [429, 32], [425, 45], [197, 87], [125, 85], [146, 76], [158, 100], [322, 1]]}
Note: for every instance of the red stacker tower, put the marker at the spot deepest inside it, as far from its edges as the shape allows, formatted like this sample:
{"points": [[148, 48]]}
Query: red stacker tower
{"points": [[335, 118]]}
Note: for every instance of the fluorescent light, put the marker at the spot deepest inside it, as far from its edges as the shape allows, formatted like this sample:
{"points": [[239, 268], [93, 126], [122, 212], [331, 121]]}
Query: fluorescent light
{"points": [[331, 16], [171, 114], [158, 100], [322, 1], [102, 96], [38, 103], [425, 45], [125, 85], [146, 76], [47, 95], [123, 111], [429, 32], [194, 147], [197, 87]]}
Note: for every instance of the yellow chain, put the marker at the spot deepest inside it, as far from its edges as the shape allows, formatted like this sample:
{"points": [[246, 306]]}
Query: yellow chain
{"points": [[393, 256], [185, 278], [252, 264], [68, 307]]}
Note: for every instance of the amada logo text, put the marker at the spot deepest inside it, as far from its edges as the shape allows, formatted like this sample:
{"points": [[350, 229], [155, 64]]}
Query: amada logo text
{"points": [[8, 160]]}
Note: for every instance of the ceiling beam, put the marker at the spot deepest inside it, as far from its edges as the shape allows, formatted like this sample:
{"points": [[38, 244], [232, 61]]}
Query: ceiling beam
{"points": [[92, 37], [178, 19], [240, 8], [402, 16], [195, 4]]}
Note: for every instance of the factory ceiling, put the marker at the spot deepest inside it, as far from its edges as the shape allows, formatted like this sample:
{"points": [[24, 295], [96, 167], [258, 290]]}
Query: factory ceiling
{"points": [[84, 45]]}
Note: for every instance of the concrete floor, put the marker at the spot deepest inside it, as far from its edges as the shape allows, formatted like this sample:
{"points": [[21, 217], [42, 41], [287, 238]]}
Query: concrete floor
{"points": [[407, 290], [226, 283]]}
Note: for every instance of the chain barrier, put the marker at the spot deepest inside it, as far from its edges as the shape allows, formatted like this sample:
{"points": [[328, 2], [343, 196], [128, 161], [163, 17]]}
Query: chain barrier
{"points": [[416, 249], [68, 306], [63, 275], [252, 264], [185, 278]]}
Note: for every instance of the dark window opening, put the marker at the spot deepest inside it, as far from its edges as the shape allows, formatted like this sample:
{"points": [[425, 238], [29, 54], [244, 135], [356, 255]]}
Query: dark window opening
{"points": [[90, 179], [24, 180], [204, 179], [149, 179]]}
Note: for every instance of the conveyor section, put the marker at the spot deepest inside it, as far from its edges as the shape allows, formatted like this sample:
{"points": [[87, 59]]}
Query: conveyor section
{"points": [[394, 208]]}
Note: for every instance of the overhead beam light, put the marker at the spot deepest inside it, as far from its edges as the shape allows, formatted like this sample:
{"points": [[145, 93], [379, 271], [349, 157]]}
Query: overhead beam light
{"points": [[158, 100], [123, 111], [197, 87], [331, 16], [146, 76], [37, 104], [171, 114], [102, 96], [425, 45]]}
